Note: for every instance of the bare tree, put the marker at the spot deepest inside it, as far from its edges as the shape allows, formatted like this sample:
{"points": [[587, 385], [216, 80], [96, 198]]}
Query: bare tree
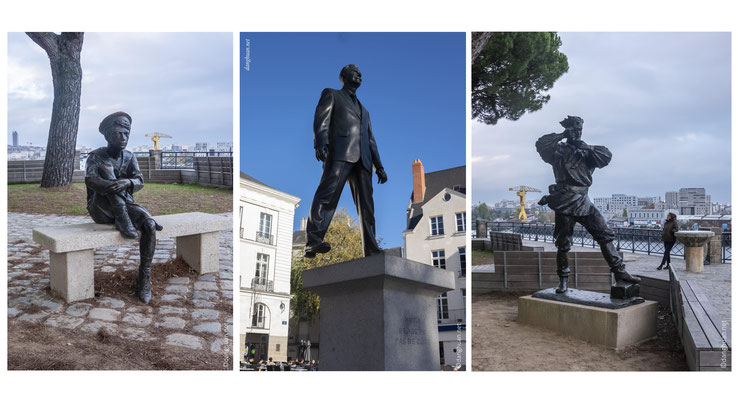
{"points": [[66, 74]]}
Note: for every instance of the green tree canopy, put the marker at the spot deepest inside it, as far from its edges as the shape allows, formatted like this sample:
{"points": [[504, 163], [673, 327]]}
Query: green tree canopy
{"points": [[480, 212], [344, 235], [513, 72]]}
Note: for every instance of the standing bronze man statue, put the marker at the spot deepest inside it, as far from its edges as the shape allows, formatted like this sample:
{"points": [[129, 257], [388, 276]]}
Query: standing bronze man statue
{"points": [[112, 176], [573, 163], [344, 142]]}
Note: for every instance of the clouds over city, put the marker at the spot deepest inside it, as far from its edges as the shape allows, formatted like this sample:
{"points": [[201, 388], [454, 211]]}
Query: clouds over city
{"points": [[175, 83], [659, 101]]}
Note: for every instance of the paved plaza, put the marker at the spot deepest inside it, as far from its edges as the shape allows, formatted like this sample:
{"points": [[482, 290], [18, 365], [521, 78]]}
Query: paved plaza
{"points": [[191, 313], [714, 280]]}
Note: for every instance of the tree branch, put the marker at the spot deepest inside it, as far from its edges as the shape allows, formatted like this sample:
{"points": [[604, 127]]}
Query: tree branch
{"points": [[47, 40]]}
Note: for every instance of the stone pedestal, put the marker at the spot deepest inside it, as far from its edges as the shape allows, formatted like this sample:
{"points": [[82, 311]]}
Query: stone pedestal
{"points": [[694, 253], [614, 328], [379, 313]]}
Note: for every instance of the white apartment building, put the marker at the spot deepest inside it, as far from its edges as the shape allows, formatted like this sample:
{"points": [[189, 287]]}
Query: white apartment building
{"points": [[436, 235], [266, 217]]}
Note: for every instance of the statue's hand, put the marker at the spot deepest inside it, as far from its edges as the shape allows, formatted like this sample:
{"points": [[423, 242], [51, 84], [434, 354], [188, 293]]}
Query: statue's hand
{"points": [[381, 176], [321, 153], [118, 185]]}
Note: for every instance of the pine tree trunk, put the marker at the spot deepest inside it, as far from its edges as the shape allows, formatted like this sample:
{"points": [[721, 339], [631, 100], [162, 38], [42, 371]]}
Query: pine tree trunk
{"points": [[66, 72], [479, 40]]}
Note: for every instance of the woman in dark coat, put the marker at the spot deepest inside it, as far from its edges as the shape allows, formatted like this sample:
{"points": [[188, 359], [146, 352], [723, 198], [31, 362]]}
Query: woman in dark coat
{"points": [[667, 235]]}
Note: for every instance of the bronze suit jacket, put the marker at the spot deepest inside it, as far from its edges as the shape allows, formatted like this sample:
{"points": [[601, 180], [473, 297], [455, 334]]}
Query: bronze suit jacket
{"points": [[346, 129]]}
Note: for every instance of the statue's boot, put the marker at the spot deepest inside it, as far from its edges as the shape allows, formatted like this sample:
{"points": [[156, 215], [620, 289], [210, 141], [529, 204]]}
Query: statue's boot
{"points": [[143, 282], [563, 284], [622, 276], [157, 226], [323, 247], [123, 223]]}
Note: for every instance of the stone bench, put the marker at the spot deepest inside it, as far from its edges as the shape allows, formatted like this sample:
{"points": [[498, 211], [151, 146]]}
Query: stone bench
{"points": [[71, 248]]}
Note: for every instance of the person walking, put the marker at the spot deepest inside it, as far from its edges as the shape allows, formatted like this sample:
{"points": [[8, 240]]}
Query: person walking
{"points": [[667, 235]]}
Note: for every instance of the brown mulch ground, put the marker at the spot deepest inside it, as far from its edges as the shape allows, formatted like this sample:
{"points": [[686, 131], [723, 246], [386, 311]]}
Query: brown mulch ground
{"points": [[122, 284], [499, 343], [39, 347]]}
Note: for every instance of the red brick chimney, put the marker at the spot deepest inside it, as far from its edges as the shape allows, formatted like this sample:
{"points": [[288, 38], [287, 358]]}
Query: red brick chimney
{"points": [[418, 181]]}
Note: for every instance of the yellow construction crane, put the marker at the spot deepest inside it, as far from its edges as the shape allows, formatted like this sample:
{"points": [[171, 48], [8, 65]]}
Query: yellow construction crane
{"points": [[155, 138], [521, 191]]}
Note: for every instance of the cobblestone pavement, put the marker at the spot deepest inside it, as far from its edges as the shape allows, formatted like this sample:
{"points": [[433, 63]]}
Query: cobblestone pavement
{"points": [[715, 280], [192, 313]]}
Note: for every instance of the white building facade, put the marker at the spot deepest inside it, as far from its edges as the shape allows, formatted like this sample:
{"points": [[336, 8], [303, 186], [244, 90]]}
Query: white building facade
{"points": [[266, 217], [436, 235]]}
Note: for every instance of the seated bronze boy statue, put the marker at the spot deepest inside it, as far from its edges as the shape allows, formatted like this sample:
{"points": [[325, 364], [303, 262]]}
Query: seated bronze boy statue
{"points": [[112, 176]]}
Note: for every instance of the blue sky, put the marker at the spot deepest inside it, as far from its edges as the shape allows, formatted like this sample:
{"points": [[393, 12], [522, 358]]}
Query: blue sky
{"points": [[659, 101], [180, 84], [413, 87]]}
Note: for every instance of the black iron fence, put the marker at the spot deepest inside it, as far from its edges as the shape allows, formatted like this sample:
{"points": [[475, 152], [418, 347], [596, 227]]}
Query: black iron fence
{"points": [[638, 240], [186, 159]]}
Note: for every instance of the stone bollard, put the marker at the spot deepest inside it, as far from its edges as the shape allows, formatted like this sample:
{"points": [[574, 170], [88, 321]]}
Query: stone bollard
{"points": [[714, 247], [481, 229], [155, 156]]}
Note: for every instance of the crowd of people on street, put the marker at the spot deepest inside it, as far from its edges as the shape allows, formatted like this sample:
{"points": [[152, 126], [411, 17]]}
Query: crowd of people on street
{"points": [[271, 365]]}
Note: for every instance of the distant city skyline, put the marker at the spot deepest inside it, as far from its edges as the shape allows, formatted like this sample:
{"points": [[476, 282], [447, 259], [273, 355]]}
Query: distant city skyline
{"points": [[659, 101], [175, 83]]}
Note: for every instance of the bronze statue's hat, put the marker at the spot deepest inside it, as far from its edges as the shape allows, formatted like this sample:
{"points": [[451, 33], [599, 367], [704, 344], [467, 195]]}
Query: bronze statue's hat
{"points": [[571, 121], [114, 119]]}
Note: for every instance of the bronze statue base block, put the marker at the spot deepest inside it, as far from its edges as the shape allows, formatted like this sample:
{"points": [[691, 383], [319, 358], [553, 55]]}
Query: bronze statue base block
{"points": [[588, 298]]}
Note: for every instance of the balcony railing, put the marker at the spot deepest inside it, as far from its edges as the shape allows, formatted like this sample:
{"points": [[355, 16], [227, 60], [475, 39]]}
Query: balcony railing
{"points": [[452, 316], [265, 238], [262, 285]]}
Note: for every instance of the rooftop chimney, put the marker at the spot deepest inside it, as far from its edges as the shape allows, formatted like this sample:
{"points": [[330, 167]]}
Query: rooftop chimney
{"points": [[418, 181], [303, 224]]}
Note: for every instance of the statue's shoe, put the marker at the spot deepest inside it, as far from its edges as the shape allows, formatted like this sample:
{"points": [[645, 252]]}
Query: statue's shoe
{"points": [[563, 285], [143, 285], [130, 234], [311, 251], [624, 276], [144, 296]]}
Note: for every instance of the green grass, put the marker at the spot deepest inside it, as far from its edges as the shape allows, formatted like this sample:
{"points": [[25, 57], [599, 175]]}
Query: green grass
{"points": [[159, 199], [482, 257]]}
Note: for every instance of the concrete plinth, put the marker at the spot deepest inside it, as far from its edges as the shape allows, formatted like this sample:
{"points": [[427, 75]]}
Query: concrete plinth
{"points": [[379, 313], [199, 251], [72, 274], [694, 254], [614, 328]]}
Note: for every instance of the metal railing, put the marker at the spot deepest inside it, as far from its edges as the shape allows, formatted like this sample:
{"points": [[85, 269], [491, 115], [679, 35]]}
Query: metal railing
{"points": [[638, 240], [262, 285], [186, 159], [265, 238]]}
